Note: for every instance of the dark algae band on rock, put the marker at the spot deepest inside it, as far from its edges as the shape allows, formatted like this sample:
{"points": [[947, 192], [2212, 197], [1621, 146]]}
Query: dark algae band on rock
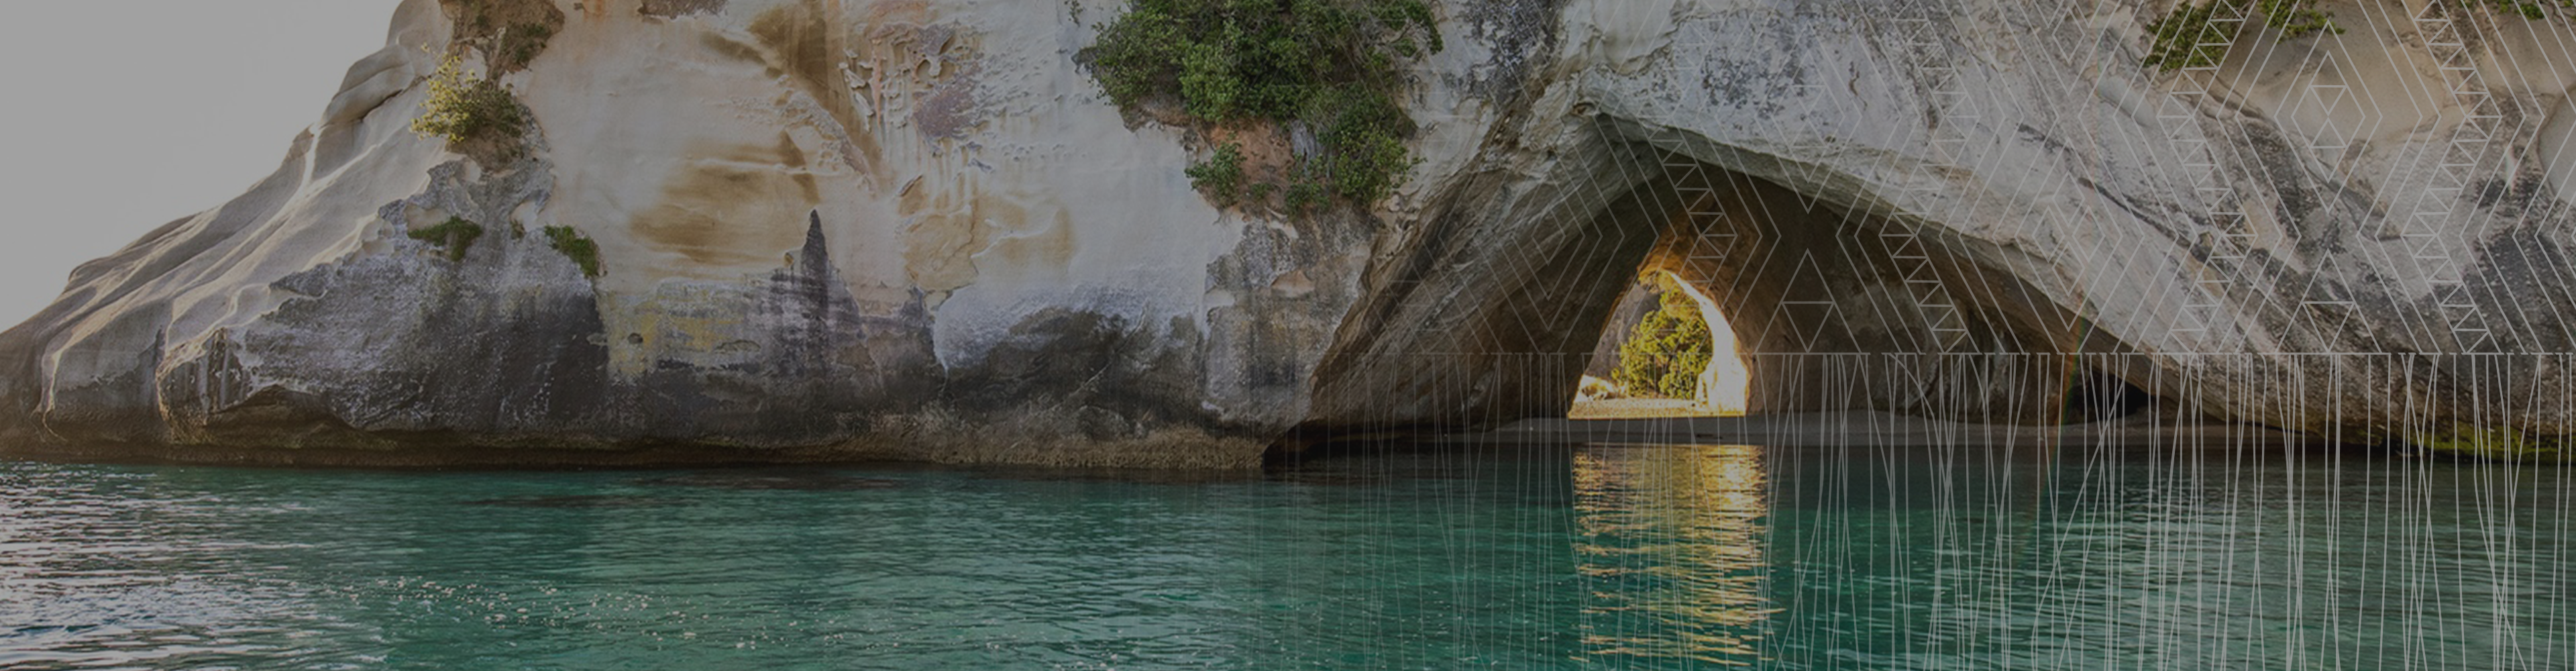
{"points": [[1154, 233]]}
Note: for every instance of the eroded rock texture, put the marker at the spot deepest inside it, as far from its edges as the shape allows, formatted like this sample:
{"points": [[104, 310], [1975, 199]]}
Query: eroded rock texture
{"points": [[915, 229]]}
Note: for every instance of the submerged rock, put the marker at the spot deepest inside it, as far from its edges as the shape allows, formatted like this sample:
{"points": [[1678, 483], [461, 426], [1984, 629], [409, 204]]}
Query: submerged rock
{"points": [[917, 230]]}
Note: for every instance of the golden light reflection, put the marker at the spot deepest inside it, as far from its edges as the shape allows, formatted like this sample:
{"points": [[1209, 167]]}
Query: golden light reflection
{"points": [[1672, 550]]}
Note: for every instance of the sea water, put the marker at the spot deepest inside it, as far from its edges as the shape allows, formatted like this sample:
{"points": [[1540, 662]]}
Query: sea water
{"points": [[1515, 557]]}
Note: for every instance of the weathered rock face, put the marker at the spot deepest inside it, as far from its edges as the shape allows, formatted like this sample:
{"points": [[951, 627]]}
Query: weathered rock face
{"points": [[915, 229], [1957, 208]]}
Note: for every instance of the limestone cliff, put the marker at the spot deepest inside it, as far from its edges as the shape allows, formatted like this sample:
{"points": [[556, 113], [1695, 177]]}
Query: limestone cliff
{"points": [[915, 229]]}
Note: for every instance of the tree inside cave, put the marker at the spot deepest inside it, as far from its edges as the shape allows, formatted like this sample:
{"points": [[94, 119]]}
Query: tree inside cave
{"points": [[1667, 350]]}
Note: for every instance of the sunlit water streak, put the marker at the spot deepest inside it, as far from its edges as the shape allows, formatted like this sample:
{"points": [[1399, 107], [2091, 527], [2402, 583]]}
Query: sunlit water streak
{"points": [[1638, 557]]}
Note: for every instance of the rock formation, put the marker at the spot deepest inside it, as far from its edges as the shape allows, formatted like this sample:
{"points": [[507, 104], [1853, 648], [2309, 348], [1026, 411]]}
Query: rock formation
{"points": [[915, 229]]}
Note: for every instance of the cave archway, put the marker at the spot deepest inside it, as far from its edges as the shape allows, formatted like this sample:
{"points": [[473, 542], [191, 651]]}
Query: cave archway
{"points": [[1491, 310], [1644, 349]]}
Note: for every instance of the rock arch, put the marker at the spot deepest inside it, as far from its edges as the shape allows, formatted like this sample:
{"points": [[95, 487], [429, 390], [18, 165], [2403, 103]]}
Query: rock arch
{"points": [[1721, 383], [1493, 312]]}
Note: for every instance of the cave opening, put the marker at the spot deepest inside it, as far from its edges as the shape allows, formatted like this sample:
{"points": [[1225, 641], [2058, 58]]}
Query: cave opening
{"points": [[1667, 351], [1835, 303], [1501, 308]]}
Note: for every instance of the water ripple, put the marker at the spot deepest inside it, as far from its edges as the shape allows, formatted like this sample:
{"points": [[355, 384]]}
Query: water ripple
{"points": [[1647, 557]]}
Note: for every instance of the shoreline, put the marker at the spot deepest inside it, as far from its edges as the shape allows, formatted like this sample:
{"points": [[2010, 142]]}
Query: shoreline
{"points": [[1864, 428], [1793, 430]]}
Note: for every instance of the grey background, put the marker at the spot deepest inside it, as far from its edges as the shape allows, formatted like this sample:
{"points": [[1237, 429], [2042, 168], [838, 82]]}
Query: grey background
{"points": [[119, 116]]}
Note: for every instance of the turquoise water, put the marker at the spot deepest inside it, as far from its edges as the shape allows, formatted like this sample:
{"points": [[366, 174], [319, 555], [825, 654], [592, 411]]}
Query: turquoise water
{"points": [[1645, 557]]}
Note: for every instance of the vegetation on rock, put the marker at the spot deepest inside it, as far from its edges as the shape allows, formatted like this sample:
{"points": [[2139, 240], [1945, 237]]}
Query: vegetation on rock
{"points": [[510, 32], [2498, 443], [2529, 9], [521, 43], [1325, 67], [2198, 35], [455, 235], [467, 109], [473, 112], [1221, 176], [581, 249], [1665, 354]]}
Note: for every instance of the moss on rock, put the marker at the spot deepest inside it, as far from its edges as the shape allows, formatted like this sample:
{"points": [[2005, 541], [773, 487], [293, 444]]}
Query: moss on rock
{"points": [[2493, 443], [580, 248], [455, 235]]}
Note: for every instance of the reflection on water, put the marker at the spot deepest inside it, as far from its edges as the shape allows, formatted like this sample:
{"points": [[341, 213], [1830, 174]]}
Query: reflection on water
{"points": [[1600, 557], [1961, 558], [1672, 549]]}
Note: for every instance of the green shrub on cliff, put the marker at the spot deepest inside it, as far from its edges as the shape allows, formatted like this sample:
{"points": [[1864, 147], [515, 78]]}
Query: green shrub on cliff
{"points": [[1367, 159], [1221, 176], [465, 108], [1665, 354], [1328, 66]]}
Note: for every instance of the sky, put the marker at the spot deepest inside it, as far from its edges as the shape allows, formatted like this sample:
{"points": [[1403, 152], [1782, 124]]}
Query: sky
{"points": [[118, 117]]}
